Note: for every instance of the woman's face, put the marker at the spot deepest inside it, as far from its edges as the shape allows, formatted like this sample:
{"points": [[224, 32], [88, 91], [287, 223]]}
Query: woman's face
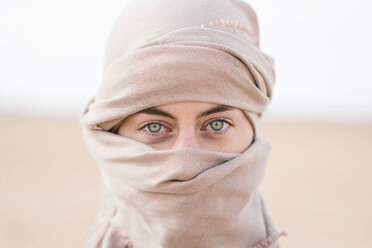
{"points": [[190, 124]]}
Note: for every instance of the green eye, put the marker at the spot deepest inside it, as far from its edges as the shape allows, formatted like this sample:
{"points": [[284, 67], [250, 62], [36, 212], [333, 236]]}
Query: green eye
{"points": [[154, 127], [217, 125]]}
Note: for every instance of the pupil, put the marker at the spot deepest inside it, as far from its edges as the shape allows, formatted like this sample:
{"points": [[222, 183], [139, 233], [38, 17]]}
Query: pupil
{"points": [[217, 125]]}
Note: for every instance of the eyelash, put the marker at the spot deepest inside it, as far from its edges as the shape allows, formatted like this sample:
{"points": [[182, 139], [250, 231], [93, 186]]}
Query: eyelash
{"points": [[162, 125]]}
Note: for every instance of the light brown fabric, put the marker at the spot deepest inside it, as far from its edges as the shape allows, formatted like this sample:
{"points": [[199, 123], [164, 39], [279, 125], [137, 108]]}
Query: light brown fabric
{"points": [[164, 51]]}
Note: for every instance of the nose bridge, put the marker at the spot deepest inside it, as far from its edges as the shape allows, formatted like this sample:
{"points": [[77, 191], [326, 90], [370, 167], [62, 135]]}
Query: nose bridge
{"points": [[186, 137]]}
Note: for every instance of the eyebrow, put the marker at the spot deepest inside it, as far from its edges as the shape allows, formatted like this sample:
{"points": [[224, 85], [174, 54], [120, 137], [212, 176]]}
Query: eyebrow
{"points": [[216, 109]]}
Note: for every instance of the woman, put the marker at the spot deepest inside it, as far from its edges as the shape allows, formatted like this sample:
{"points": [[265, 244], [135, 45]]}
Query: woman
{"points": [[174, 128]]}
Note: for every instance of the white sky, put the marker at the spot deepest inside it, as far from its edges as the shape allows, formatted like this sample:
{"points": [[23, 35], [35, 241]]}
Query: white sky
{"points": [[52, 55]]}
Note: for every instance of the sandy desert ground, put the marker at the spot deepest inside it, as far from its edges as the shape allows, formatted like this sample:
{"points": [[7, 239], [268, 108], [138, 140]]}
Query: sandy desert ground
{"points": [[317, 186]]}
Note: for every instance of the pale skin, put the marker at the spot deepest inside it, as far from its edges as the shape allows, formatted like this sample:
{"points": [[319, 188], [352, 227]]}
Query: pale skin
{"points": [[226, 129]]}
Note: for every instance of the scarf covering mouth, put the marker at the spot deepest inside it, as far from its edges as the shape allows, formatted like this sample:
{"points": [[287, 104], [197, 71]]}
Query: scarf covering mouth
{"points": [[185, 197], [166, 51]]}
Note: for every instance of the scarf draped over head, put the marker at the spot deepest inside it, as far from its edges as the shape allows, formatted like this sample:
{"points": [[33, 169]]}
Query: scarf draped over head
{"points": [[166, 51]]}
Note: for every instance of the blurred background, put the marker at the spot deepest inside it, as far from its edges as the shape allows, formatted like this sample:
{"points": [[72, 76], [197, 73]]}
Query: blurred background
{"points": [[318, 182]]}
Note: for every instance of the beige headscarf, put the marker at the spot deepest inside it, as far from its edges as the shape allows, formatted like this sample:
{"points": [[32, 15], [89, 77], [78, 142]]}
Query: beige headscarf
{"points": [[165, 51]]}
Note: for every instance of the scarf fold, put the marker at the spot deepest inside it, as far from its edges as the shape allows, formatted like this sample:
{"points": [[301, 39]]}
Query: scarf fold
{"points": [[186, 197], [153, 58], [166, 51]]}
